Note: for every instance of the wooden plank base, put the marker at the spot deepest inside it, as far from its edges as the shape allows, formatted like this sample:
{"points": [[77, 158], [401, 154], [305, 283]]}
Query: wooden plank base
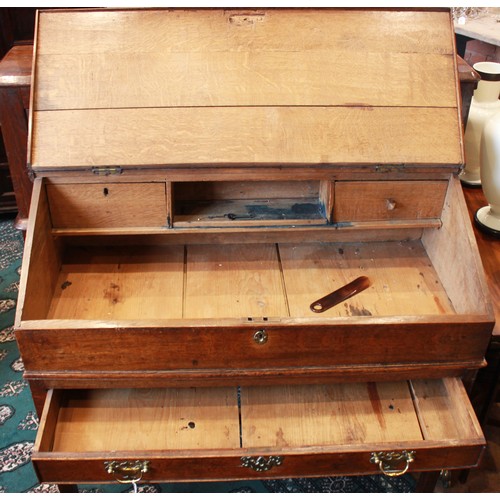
{"points": [[240, 281]]}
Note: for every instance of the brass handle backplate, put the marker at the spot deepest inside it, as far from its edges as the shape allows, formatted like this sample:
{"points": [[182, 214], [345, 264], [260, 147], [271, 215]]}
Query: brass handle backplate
{"points": [[261, 464], [388, 461], [128, 471]]}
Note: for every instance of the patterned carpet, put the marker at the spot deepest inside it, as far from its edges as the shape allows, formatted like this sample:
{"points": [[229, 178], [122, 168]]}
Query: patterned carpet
{"points": [[19, 423]]}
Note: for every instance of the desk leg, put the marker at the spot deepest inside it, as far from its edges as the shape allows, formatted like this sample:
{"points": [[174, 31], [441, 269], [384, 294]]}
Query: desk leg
{"points": [[427, 481], [15, 135], [67, 488], [38, 394]]}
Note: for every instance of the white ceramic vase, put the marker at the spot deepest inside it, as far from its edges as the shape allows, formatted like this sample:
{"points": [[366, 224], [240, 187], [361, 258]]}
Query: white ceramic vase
{"points": [[488, 218], [484, 105]]}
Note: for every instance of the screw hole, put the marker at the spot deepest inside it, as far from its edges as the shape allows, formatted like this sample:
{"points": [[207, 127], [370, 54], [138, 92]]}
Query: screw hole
{"points": [[105, 191]]}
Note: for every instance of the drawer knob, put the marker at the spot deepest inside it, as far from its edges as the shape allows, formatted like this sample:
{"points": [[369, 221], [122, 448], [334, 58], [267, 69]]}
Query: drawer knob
{"points": [[261, 464], [390, 203], [388, 461], [127, 472], [260, 337]]}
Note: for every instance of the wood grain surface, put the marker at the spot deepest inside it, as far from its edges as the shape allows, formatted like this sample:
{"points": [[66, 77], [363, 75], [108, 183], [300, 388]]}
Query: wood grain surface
{"points": [[107, 205], [244, 281], [258, 86], [343, 414], [123, 283], [148, 419], [245, 135]]}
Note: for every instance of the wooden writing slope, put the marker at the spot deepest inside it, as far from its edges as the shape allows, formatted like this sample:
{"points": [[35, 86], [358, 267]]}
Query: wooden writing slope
{"points": [[202, 178]]}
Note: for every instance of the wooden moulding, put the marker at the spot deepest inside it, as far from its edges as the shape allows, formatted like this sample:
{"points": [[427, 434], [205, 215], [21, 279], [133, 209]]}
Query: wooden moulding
{"points": [[198, 434], [95, 379]]}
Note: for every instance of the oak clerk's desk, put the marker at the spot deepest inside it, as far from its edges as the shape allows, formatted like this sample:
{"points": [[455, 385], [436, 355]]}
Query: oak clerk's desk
{"points": [[371, 346]]}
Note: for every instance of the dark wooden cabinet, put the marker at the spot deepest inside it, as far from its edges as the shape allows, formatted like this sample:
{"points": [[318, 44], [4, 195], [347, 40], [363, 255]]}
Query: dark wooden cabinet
{"points": [[16, 30], [15, 81]]}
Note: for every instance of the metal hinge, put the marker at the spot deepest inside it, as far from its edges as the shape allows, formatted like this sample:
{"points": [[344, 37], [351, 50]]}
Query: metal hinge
{"points": [[107, 170]]}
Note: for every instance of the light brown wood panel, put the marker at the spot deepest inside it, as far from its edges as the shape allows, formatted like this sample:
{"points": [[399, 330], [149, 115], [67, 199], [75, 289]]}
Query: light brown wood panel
{"points": [[298, 135], [265, 78], [148, 419], [48, 419], [41, 260], [327, 198], [453, 250], [403, 281], [220, 30], [107, 205], [368, 201], [120, 283], [341, 414], [444, 410], [406, 230], [233, 281], [248, 190]]}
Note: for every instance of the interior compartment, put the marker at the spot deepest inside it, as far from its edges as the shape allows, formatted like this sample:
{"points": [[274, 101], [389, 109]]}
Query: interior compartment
{"points": [[240, 281], [250, 202], [280, 280]]}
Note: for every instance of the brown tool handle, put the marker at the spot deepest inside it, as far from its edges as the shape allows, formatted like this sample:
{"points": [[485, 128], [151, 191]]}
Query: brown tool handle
{"points": [[338, 296]]}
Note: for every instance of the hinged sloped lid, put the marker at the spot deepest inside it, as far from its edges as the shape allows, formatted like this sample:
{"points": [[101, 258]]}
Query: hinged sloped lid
{"points": [[216, 87]]}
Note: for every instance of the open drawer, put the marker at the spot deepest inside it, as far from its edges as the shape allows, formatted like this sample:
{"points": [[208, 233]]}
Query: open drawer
{"points": [[282, 431], [214, 310]]}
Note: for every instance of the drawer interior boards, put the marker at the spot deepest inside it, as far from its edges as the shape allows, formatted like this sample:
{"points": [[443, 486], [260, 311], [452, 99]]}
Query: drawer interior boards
{"points": [[326, 421], [241, 281]]}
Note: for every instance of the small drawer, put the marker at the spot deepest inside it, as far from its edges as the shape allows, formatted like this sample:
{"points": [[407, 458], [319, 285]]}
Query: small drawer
{"points": [[107, 205], [105, 435], [360, 201]]}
